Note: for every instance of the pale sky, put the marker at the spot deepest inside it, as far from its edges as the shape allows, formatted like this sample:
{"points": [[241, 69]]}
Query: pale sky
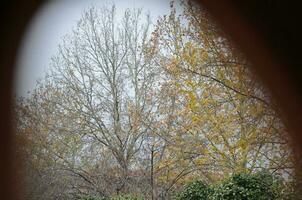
{"points": [[54, 20]]}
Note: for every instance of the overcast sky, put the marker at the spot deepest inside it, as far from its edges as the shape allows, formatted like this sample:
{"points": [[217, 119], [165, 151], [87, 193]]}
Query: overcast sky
{"points": [[54, 20]]}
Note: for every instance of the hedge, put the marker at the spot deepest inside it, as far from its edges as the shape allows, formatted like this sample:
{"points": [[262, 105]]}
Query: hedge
{"points": [[242, 186]]}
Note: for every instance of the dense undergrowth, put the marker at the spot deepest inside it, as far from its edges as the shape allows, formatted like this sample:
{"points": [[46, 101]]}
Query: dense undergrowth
{"points": [[241, 186]]}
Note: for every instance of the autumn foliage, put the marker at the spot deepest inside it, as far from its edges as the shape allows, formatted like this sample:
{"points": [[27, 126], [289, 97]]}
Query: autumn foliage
{"points": [[140, 110]]}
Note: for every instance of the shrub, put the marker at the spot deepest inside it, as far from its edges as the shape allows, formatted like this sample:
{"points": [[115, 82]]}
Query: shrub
{"points": [[195, 191], [243, 186], [258, 186]]}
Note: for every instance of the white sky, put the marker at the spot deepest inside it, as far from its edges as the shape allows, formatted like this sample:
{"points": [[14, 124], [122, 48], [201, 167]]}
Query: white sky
{"points": [[54, 20]]}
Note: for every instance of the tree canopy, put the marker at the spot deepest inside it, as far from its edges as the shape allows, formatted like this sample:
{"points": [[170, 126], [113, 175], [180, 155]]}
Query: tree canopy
{"points": [[133, 110]]}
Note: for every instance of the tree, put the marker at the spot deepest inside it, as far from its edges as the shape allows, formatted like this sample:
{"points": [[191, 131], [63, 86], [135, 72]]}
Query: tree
{"points": [[39, 177], [105, 75], [219, 119], [125, 112], [95, 100]]}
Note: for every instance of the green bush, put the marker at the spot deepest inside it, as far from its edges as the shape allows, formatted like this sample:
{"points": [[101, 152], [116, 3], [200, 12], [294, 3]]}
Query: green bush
{"points": [[258, 186], [194, 191], [242, 186]]}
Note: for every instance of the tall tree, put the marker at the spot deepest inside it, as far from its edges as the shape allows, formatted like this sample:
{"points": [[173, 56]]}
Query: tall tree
{"points": [[127, 111], [105, 75], [220, 119], [98, 95]]}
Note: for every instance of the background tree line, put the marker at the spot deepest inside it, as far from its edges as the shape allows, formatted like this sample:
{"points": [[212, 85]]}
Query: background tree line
{"points": [[132, 107]]}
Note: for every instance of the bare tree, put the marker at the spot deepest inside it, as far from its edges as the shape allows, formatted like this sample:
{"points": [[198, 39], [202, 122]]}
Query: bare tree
{"points": [[105, 79]]}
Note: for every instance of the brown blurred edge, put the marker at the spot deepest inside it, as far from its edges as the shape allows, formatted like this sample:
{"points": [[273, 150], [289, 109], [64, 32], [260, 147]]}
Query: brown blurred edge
{"points": [[15, 16], [279, 69]]}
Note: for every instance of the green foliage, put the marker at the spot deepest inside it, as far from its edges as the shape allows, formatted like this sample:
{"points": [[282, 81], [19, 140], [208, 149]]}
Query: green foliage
{"points": [[194, 191], [242, 186], [258, 186]]}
